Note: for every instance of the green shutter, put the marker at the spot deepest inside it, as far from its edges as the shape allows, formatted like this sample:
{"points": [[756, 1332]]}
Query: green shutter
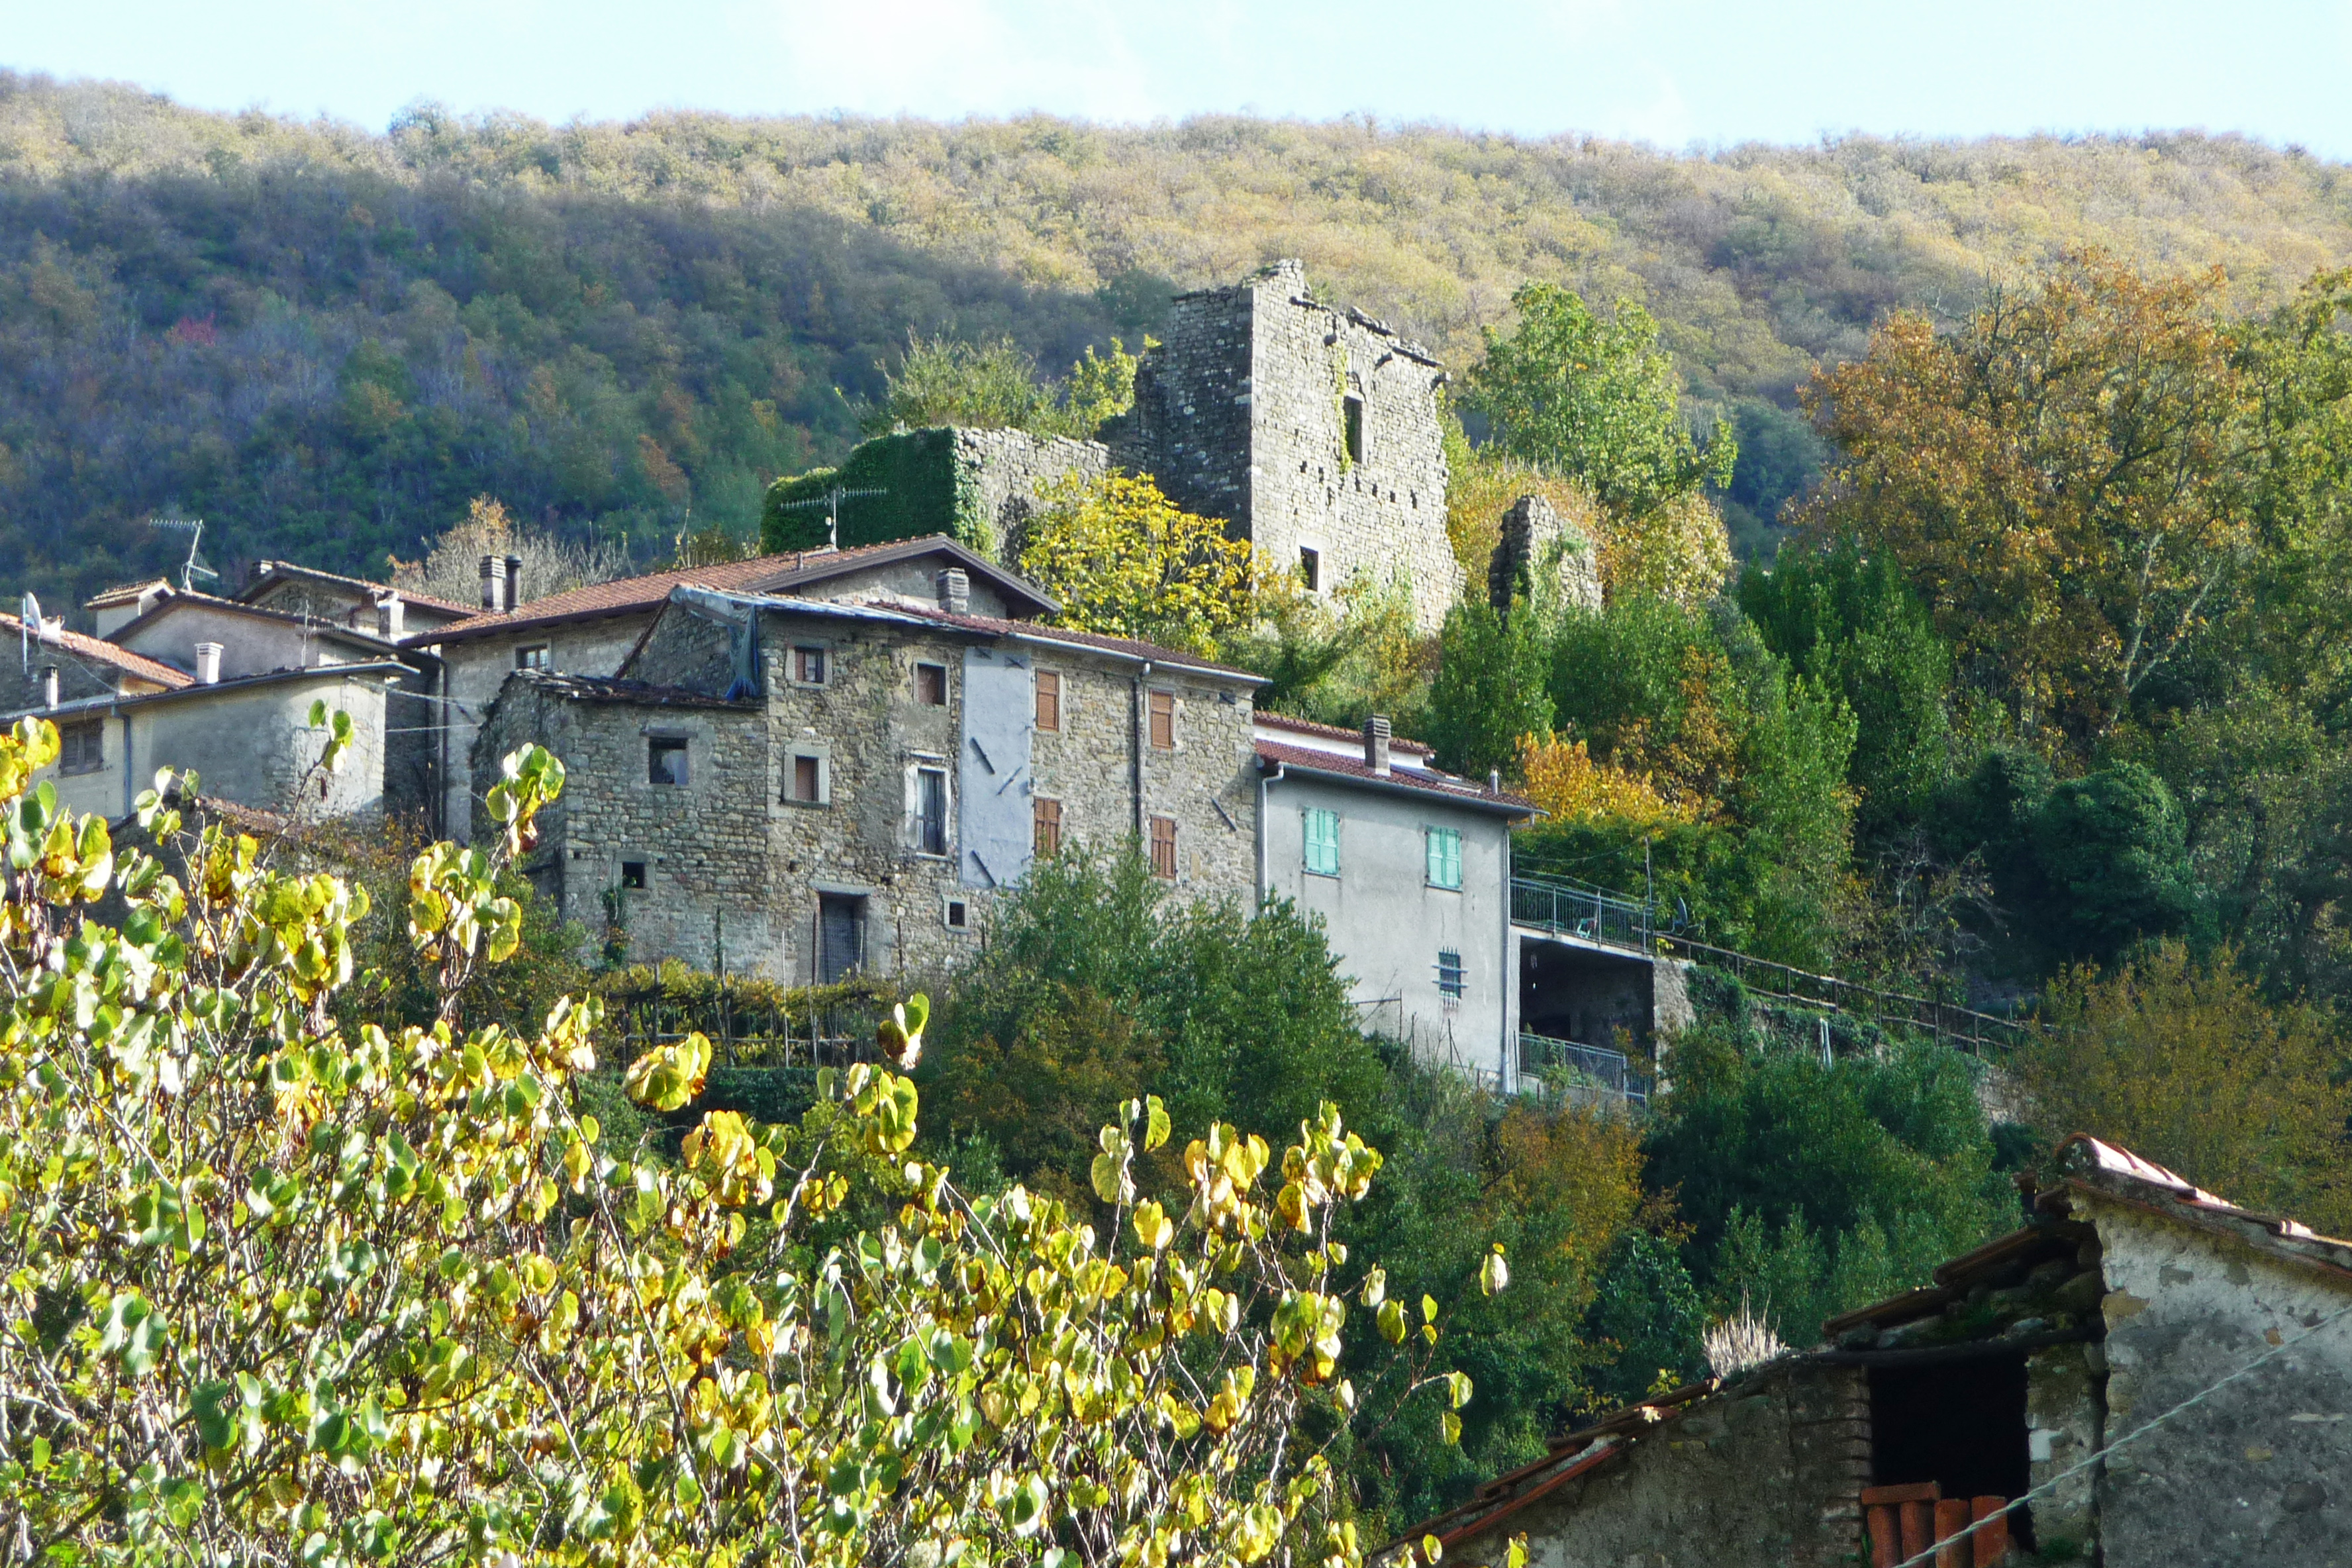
{"points": [[1444, 855], [1323, 842]]}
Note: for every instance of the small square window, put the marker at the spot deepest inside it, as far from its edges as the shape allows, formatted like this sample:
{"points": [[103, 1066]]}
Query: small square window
{"points": [[1163, 720], [959, 915], [81, 748], [1163, 846], [1310, 569], [1450, 980], [1047, 820], [932, 685], [1353, 407], [1444, 846], [665, 761], [1049, 699], [808, 780], [632, 874], [536, 657], [1322, 843], [808, 665]]}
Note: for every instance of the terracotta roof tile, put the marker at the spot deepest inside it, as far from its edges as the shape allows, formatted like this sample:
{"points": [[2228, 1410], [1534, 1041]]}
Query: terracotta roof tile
{"points": [[1427, 779], [1333, 732], [1127, 646], [268, 569], [625, 596], [121, 659]]}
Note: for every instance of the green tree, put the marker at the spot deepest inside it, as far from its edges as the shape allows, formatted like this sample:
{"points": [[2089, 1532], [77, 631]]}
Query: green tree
{"points": [[2112, 854], [991, 386], [1489, 690], [272, 1288], [1816, 1188], [1595, 399], [1853, 626]]}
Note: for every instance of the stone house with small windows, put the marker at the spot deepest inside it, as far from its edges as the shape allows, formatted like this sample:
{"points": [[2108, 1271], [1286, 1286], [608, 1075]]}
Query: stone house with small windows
{"points": [[804, 786], [1409, 868]]}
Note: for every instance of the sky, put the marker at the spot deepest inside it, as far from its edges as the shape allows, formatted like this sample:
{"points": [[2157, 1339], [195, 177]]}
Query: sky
{"points": [[1697, 72]]}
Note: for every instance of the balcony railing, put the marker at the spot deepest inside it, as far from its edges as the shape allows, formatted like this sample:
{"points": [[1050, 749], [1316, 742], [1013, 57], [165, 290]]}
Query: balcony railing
{"points": [[1586, 913], [1582, 1075]]}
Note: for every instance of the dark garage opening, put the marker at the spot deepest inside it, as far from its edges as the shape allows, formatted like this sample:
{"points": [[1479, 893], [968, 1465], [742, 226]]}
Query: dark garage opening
{"points": [[1960, 1425]]}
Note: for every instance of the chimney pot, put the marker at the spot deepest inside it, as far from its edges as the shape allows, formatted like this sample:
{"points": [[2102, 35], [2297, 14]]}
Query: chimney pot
{"points": [[1376, 743], [49, 686], [493, 594], [390, 617], [514, 581], [208, 663], [1494, 781], [955, 590]]}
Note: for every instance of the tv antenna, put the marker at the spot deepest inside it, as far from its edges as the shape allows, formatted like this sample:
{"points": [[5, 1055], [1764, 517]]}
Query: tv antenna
{"points": [[194, 566], [831, 500]]}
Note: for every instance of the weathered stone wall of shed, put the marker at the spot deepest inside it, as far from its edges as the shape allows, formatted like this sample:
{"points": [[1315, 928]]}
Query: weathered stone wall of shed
{"points": [[1770, 1478], [1001, 477], [2260, 1471], [477, 670]]}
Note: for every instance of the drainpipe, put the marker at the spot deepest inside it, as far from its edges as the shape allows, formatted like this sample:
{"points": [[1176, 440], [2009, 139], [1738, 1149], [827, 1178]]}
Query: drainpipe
{"points": [[1142, 716], [1265, 781], [129, 773], [1510, 1064]]}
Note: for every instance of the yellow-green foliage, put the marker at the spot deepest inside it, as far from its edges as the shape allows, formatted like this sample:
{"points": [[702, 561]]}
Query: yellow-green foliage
{"points": [[1124, 560], [273, 1290]]}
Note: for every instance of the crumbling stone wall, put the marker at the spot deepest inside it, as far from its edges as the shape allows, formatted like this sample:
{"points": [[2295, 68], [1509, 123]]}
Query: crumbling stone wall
{"points": [[1242, 414], [2261, 1470], [1768, 1474], [1543, 557], [1001, 477]]}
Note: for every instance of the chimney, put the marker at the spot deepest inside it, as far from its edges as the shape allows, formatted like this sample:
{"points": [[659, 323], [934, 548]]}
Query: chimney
{"points": [[1376, 744], [494, 591], [390, 617], [955, 590], [514, 581], [208, 663], [1494, 781], [49, 686]]}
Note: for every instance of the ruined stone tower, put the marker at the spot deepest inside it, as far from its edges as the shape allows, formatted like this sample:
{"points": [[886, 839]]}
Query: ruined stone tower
{"points": [[1312, 430]]}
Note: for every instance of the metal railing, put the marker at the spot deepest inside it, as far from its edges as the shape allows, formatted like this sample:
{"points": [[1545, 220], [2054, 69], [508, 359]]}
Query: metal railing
{"points": [[1580, 1074], [1587, 913]]}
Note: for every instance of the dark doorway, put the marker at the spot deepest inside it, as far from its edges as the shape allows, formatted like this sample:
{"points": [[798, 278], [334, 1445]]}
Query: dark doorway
{"points": [[1960, 1425], [840, 936]]}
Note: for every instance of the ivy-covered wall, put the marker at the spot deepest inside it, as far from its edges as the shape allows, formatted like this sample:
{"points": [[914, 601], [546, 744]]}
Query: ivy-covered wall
{"points": [[917, 471]]}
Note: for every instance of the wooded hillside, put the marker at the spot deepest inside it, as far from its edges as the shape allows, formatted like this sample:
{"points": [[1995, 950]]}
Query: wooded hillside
{"points": [[325, 341]]}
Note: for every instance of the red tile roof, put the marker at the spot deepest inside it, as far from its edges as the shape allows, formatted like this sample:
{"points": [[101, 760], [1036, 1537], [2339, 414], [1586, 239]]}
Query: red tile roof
{"points": [[1127, 646], [121, 659], [1427, 781], [284, 569], [1334, 733], [763, 573], [126, 593]]}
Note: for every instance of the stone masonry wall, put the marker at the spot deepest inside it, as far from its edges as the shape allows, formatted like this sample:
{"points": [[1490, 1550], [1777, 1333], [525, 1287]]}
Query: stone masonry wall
{"points": [[1240, 415], [2260, 1471], [1543, 556], [1001, 476], [1767, 1475], [477, 670]]}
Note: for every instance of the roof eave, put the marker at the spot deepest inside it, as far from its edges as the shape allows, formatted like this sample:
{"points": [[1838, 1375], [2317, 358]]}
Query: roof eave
{"points": [[1492, 804]]}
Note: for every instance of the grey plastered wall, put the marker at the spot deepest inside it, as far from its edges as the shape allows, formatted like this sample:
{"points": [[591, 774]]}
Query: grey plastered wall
{"points": [[251, 643], [1000, 710], [1767, 1474], [1386, 922], [2258, 1471]]}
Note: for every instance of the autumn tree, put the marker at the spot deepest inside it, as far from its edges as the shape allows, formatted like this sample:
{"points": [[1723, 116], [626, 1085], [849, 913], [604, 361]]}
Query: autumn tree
{"points": [[553, 562], [996, 385], [2056, 476], [1124, 560], [271, 1288], [2185, 1063]]}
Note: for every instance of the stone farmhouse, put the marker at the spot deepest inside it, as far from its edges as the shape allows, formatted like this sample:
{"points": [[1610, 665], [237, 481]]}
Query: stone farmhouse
{"points": [[2011, 1406]]}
